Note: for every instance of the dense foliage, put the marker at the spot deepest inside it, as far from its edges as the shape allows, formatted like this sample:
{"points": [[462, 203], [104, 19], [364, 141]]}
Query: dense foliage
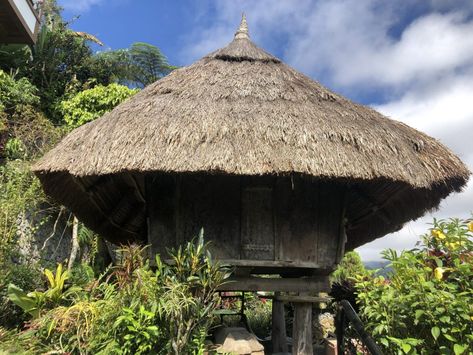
{"points": [[131, 309], [14, 93], [90, 104], [60, 76], [424, 305], [350, 266]]}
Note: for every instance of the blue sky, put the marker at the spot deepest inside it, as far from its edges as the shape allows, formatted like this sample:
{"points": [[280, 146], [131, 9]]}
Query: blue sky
{"points": [[411, 60]]}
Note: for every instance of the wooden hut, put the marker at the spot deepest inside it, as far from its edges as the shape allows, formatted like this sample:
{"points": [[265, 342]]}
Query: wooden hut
{"points": [[283, 174]]}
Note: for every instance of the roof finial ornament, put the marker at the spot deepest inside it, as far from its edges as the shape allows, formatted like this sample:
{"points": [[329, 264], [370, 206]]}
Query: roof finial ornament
{"points": [[242, 31]]}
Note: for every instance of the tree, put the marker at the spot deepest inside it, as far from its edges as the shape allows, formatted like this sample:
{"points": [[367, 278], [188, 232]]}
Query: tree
{"points": [[60, 63], [138, 66]]}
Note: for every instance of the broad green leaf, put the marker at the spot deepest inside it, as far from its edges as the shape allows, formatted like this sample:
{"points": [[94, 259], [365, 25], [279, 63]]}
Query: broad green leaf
{"points": [[418, 313], [50, 277], [406, 347], [449, 337], [435, 332], [22, 300], [459, 349]]}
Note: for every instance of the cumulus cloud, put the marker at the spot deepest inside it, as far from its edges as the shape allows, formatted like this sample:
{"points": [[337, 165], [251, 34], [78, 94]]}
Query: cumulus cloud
{"points": [[365, 52], [419, 54], [444, 111]]}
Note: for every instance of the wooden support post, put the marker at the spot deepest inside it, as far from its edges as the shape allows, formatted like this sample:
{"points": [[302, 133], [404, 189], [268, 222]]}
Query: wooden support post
{"points": [[302, 329], [278, 332]]}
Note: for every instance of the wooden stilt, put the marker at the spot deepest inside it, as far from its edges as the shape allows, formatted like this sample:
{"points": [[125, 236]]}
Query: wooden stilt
{"points": [[302, 329], [278, 332]]}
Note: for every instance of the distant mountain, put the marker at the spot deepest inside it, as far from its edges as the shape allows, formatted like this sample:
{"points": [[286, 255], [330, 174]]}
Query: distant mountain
{"points": [[375, 264], [380, 265]]}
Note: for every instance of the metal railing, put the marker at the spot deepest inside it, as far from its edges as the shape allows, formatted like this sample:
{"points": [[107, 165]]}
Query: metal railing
{"points": [[352, 338]]}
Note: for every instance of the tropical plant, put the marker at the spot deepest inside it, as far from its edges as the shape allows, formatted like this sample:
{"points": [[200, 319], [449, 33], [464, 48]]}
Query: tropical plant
{"points": [[25, 277], [142, 333], [424, 306], [19, 192], [34, 302], [349, 268], [90, 104], [16, 92], [132, 308], [138, 66]]}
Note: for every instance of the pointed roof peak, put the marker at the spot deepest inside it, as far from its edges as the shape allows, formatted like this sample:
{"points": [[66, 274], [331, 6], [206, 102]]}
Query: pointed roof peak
{"points": [[242, 31]]}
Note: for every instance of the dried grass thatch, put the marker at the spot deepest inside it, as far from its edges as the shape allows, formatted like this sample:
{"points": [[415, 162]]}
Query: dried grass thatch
{"points": [[242, 111]]}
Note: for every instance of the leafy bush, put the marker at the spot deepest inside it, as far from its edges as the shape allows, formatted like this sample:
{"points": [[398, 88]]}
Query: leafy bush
{"points": [[26, 277], [259, 315], [19, 191], [350, 267], [424, 306], [14, 93], [36, 301], [133, 308], [90, 104]]}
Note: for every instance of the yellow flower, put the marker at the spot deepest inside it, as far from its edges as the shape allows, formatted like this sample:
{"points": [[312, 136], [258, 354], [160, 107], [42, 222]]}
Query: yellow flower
{"points": [[453, 246], [438, 234], [470, 226], [438, 272]]}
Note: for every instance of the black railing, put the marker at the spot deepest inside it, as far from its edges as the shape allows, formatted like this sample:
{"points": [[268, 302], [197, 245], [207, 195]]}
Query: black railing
{"points": [[352, 338]]}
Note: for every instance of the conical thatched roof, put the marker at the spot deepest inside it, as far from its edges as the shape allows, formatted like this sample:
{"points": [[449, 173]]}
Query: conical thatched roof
{"points": [[240, 110]]}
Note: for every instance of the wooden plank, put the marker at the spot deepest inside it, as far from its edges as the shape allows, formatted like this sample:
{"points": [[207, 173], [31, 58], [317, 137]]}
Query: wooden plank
{"points": [[269, 263], [330, 216], [160, 194], [212, 202], [296, 223], [257, 228], [301, 299], [278, 326], [302, 329], [310, 284]]}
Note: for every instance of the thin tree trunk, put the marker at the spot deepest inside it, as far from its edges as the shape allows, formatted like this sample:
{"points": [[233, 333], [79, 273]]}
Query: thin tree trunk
{"points": [[75, 243]]}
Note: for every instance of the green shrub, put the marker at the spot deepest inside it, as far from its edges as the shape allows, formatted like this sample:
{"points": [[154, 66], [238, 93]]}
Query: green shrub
{"points": [[19, 192], [424, 306], [90, 104], [350, 267], [26, 277], [15, 93], [259, 314], [133, 308]]}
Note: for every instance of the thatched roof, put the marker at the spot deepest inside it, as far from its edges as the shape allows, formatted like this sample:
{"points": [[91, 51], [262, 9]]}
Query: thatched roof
{"points": [[240, 110]]}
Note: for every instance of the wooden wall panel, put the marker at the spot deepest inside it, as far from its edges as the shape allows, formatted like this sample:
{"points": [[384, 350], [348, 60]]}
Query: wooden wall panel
{"points": [[257, 228], [330, 217], [161, 202], [295, 220], [212, 203], [308, 215]]}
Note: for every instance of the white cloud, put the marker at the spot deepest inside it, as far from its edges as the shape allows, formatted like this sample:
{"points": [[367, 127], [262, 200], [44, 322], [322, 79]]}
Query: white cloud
{"points": [[352, 44], [79, 5], [445, 111], [424, 64]]}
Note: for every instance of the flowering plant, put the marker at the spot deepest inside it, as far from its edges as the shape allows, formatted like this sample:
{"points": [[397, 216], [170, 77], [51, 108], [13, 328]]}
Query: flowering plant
{"points": [[426, 307]]}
